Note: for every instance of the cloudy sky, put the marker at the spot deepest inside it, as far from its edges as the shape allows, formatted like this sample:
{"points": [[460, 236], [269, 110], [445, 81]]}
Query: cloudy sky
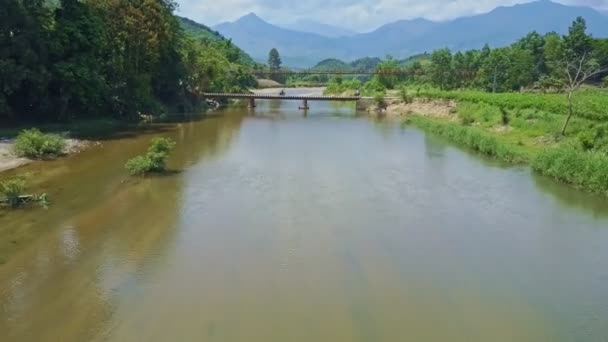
{"points": [[359, 15]]}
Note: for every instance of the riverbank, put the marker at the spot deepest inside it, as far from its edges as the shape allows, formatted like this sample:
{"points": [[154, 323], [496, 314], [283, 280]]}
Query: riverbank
{"points": [[516, 132]]}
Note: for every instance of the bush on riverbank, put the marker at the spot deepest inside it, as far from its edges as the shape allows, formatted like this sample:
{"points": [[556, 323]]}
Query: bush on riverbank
{"points": [[154, 160], [32, 143]]}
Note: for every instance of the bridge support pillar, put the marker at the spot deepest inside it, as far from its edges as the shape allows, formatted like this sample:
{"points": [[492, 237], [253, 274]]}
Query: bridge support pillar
{"points": [[251, 103], [304, 105]]}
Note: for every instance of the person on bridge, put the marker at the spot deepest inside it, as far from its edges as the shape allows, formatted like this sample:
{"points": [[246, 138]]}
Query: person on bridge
{"points": [[357, 92], [282, 93]]}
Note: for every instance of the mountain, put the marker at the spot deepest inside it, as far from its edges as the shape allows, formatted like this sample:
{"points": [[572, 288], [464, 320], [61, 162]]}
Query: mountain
{"points": [[504, 25], [499, 27], [258, 37], [325, 30]]}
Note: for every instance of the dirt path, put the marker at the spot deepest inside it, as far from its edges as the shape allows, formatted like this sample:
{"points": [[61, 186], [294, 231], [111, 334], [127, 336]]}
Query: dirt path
{"points": [[434, 108]]}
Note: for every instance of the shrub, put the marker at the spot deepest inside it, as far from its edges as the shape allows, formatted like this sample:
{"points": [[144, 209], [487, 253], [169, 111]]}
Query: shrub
{"points": [[154, 160], [379, 100], [594, 137], [405, 96], [11, 190], [32, 143], [466, 118], [504, 115]]}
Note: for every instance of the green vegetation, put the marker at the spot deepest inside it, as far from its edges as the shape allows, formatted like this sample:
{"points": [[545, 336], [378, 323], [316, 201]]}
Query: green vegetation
{"points": [[536, 101], [474, 138], [80, 59], [13, 194], [154, 160], [528, 134], [12, 190], [32, 143], [590, 103]]}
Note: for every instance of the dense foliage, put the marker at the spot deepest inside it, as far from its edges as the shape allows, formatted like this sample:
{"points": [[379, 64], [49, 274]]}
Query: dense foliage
{"points": [[535, 62], [119, 58]]}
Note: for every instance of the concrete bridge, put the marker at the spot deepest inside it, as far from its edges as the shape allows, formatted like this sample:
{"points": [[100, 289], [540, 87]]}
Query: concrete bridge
{"points": [[303, 98]]}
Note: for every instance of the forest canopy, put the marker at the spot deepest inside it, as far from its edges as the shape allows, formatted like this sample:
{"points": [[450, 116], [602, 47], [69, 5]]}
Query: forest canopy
{"points": [[72, 59]]}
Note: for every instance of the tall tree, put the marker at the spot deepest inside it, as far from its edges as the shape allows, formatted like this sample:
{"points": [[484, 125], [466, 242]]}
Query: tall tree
{"points": [[442, 71], [577, 64], [274, 59]]}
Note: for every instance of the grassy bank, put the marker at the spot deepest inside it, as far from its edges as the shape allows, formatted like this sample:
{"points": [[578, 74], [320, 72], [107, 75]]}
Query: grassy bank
{"points": [[517, 133], [591, 103], [473, 138]]}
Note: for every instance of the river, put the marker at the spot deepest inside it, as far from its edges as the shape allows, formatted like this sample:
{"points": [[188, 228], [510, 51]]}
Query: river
{"points": [[279, 226]]}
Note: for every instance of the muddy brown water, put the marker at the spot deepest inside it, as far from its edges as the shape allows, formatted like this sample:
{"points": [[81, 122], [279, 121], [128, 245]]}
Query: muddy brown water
{"points": [[275, 226]]}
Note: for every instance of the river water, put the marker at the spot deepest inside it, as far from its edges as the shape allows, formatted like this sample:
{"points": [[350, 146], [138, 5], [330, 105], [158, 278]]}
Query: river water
{"points": [[279, 226]]}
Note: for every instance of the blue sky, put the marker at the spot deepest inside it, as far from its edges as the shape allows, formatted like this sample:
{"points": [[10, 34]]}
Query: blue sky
{"points": [[359, 15]]}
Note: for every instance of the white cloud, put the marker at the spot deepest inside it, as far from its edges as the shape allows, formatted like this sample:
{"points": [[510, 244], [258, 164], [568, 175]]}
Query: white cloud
{"points": [[358, 15]]}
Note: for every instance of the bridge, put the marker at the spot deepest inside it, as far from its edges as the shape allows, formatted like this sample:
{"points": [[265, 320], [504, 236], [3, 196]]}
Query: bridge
{"points": [[303, 98], [394, 72]]}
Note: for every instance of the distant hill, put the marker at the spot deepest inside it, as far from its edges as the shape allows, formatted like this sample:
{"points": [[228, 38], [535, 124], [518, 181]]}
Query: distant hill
{"points": [[200, 31], [332, 64], [366, 63], [297, 49], [404, 38]]}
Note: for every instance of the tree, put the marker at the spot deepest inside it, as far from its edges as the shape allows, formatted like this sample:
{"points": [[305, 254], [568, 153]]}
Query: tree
{"points": [[442, 71], [274, 60], [388, 66], [494, 72], [577, 64], [522, 68], [534, 43]]}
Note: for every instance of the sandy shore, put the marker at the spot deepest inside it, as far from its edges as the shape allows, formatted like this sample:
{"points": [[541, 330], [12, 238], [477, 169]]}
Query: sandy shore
{"points": [[435, 108], [9, 161]]}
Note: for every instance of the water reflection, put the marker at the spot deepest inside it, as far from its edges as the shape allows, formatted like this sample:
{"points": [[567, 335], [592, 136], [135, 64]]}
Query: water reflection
{"points": [[568, 197]]}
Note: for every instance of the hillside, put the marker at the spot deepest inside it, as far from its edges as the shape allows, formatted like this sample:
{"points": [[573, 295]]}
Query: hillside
{"points": [[200, 31], [404, 38]]}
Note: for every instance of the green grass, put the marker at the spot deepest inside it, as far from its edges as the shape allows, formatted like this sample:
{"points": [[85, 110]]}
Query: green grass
{"points": [[474, 138], [11, 190], [587, 170], [528, 135], [591, 103]]}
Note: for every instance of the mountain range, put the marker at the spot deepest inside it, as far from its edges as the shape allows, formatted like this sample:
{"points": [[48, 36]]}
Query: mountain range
{"points": [[499, 27]]}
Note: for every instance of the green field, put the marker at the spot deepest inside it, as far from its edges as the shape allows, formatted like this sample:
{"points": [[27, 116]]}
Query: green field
{"points": [[526, 128]]}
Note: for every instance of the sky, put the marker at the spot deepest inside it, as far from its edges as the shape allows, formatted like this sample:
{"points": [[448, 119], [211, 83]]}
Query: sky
{"points": [[357, 15]]}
